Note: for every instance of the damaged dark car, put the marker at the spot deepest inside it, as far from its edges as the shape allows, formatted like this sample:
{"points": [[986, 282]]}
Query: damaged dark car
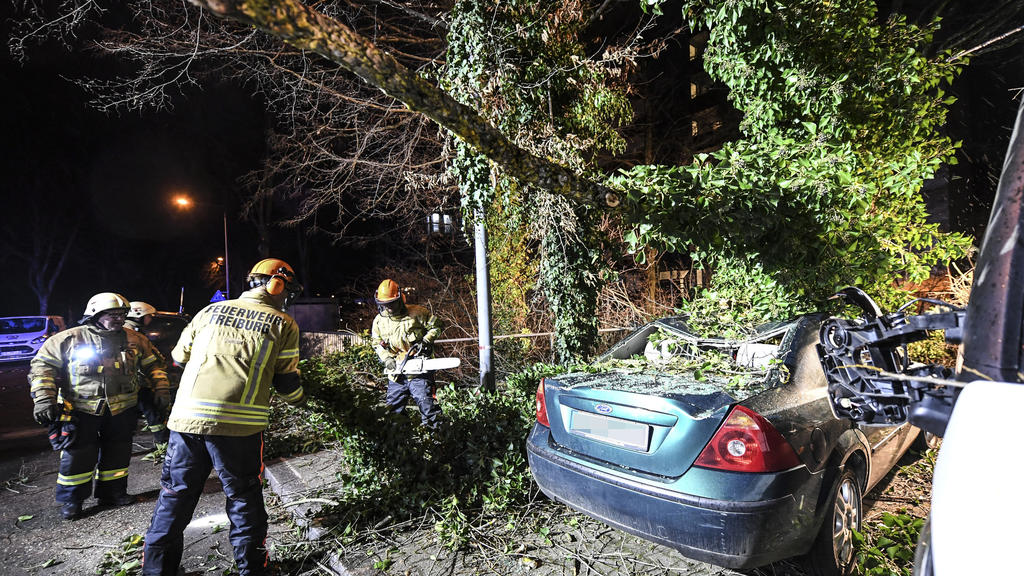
{"points": [[724, 449]]}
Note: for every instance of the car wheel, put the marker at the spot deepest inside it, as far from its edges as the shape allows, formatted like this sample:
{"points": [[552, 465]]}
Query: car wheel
{"points": [[925, 441], [833, 552]]}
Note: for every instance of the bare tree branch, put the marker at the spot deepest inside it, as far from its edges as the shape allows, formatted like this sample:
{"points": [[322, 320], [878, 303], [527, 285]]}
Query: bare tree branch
{"points": [[308, 29]]}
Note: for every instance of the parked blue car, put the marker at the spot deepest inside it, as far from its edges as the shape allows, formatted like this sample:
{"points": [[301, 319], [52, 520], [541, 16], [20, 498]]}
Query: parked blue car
{"points": [[740, 465]]}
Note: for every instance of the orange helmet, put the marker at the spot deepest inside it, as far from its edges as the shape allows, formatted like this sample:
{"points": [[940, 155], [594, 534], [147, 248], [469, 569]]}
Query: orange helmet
{"points": [[388, 291], [276, 275]]}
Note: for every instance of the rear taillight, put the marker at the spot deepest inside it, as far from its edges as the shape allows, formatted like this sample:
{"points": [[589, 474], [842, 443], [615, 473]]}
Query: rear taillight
{"points": [[542, 406], [747, 443]]}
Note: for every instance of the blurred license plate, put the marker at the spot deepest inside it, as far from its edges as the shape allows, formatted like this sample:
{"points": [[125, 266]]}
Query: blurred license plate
{"points": [[616, 431]]}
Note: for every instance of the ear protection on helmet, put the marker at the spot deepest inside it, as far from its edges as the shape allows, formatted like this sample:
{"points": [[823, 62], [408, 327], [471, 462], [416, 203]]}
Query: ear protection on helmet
{"points": [[275, 285], [276, 277]]}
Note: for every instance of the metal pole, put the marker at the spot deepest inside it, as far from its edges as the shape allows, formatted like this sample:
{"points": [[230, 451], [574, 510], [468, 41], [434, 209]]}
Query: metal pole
{"points": [[227, 268], [483, 302]]}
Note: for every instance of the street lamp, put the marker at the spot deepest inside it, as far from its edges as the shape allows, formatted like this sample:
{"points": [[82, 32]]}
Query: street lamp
{"points": [[183, 202]]}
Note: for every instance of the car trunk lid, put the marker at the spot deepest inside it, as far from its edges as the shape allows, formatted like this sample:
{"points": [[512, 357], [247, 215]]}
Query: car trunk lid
{"points": [[651, 423], [658, 397]]}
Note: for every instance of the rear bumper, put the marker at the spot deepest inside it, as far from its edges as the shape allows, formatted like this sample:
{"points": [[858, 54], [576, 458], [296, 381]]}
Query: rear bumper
{"points": [[730, 533]]}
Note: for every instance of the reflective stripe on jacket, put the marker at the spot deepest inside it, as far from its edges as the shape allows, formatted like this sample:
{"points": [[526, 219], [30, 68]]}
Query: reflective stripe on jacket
{"points": [[92, 368], [234, 353]]}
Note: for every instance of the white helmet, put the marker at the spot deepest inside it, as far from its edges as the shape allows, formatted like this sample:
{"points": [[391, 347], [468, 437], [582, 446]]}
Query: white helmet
{"points": [[140, 309], [105, 301]]}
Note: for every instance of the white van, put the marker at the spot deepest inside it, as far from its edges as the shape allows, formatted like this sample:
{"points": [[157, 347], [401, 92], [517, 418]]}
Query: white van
{"points": [[21, 336]]}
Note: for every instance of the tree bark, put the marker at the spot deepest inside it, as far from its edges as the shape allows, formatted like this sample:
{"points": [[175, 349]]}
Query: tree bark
{"points": [[307, 29]]}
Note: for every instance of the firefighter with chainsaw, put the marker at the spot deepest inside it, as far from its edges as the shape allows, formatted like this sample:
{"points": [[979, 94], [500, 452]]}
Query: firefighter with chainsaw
{"points": [[96, 369], [402, 333], [140, 314], [236, 354]]}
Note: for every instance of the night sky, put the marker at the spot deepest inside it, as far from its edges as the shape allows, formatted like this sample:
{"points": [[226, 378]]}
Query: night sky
{"points": [[115, 175]]}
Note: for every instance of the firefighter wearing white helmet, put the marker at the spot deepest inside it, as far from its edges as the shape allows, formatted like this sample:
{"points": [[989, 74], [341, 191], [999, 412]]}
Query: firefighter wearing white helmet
{"points": [[140, 314], [97, 368], [236, 353], [401, 331]]}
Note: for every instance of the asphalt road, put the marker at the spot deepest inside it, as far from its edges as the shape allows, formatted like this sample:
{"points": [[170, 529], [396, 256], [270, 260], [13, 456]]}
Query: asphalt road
{"points": [[33, 537]]}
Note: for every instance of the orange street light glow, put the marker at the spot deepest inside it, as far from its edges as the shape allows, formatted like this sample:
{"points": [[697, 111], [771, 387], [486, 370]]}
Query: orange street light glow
{"points": [[183, 201]]}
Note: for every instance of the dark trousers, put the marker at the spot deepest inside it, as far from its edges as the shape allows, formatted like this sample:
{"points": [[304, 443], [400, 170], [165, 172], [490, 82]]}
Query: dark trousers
{"points": [[190, 458], [421, 388], [101, 452], [156, 420]]}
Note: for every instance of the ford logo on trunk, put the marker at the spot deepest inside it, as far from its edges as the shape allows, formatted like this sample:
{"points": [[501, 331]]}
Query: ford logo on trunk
{"points": [[603, 408]]}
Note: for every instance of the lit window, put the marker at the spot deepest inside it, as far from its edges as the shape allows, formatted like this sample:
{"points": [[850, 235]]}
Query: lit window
{"points": [[438, 223]]}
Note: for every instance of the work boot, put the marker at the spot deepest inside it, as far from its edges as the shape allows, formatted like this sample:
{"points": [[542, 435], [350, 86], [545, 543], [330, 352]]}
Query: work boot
{"points": [[119, 500], [71, 510]]}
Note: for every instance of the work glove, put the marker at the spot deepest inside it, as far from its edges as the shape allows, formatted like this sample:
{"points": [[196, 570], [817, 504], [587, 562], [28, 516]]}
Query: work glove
{"points": [[46, 413], [426, 349], [390, 364], [162, 402]]}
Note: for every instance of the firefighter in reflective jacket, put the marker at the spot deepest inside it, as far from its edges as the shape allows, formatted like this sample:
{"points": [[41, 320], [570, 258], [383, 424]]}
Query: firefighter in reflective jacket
{"points": [[400, 331], [140, 314], [97, 368], [235, 352]]}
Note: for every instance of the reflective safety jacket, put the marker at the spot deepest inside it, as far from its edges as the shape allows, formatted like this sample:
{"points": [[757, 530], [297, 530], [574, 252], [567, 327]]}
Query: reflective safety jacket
{"points": [[234, 352], [394, 335], [93, 368]]}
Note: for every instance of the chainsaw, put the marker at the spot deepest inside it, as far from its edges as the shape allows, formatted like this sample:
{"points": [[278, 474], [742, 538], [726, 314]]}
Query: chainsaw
{"points": [[420, 365], [413, 364]]}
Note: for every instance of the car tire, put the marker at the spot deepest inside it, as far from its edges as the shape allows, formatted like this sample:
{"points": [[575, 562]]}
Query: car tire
{"points": [[925, 441], [833, 552]]}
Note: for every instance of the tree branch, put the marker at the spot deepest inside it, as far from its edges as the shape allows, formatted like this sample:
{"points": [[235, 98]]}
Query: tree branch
{"points": [[307, 29]]}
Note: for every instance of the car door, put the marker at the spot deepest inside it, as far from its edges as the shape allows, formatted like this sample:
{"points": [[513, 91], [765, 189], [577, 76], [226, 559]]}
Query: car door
{"points": [[886, 443]]}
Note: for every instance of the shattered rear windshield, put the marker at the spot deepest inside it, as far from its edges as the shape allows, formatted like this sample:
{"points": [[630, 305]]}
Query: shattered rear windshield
{"points": [[663, 359]]}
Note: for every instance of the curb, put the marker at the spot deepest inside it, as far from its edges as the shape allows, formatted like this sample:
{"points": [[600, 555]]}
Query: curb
{"points": [[293, 479]]}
